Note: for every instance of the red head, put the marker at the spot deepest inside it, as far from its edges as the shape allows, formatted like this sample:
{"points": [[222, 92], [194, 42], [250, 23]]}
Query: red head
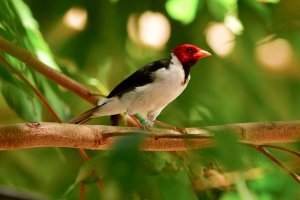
{"points": [[189, 54]]}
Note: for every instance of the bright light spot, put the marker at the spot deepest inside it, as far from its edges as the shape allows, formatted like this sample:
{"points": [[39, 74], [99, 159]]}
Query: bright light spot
{"points": [[103, 90], [234, 24], [76, 18], [276, 55], [220, 39], [46, 59], [183, 11], [154, 29]]}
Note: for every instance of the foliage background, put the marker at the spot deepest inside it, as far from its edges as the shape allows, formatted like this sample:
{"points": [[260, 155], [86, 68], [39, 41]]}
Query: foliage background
{"points": [[238, 87]]}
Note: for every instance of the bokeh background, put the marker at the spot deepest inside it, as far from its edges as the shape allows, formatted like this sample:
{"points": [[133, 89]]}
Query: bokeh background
{"points": [[253, 76]]}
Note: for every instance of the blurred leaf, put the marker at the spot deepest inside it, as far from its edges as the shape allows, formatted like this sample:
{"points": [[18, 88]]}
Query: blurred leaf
{"points": [[17, 23], [123, 163], [226, 144], [243, 189], [221, 8], [155, 162], [90, 172], [183, 11], [176, 184], [33, 35], [270, 1], [25, 104], [230, 196], [260, 9]]}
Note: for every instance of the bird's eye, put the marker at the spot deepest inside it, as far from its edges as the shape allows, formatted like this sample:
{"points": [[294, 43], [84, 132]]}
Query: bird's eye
{"points": [[189, 50]]}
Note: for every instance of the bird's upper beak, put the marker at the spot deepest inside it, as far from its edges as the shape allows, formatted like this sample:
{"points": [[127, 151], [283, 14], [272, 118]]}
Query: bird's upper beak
{"points": [[202, 54]]}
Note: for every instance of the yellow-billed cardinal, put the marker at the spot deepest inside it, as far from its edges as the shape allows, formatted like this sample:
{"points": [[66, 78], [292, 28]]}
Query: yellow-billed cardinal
{"points": [[151, 88]]}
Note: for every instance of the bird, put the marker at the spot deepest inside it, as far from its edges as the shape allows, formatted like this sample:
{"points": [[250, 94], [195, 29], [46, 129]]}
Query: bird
{"points": [[151, 88]]}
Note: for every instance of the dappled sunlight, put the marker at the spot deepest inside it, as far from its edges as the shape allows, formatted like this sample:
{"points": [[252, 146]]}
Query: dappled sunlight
{"points": [[183, 11], [75, 18], [150, 29], [220, 39], [69, 25], [234, 24], [275, 55]]}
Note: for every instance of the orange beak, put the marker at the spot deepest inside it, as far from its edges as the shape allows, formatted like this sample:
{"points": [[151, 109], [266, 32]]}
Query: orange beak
{"points": [[203, 53]]}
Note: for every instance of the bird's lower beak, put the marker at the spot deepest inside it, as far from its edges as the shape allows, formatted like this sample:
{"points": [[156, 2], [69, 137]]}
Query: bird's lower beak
{"points": [[203, 53]]}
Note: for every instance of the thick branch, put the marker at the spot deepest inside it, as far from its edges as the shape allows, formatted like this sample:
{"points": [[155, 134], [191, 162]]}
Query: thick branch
{"points": [[29, 135], [30, 60]]}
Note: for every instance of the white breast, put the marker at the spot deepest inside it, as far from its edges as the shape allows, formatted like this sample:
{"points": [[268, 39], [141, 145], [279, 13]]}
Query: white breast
{"points": [[168, 84]]}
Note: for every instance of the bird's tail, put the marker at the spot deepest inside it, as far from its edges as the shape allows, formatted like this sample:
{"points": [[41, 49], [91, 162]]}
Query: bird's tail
{"points": [[84, 117]]}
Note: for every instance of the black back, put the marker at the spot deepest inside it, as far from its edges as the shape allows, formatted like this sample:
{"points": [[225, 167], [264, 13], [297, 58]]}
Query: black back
{"points": [[139, 78]]}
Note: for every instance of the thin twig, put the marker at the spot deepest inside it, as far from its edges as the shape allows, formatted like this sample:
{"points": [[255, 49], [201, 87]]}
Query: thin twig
{"points": [[34, 89], [83, 154], [100, 185], [61, 79], [282, 149], [264, 151], [82, 191]]}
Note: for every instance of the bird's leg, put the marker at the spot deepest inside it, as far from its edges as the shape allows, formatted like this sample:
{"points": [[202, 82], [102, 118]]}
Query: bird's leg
{"points": [[168, 126], [147, 127], [136, 120]]}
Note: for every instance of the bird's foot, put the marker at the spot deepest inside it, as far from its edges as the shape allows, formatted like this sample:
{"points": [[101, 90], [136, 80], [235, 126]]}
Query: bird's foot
{"points": [[137, 121], [141, 122], [181, 130], [148, 128]]}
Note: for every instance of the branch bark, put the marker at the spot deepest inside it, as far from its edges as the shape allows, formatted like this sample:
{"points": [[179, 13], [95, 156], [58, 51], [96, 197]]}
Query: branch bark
{"points": [[30, 135]]}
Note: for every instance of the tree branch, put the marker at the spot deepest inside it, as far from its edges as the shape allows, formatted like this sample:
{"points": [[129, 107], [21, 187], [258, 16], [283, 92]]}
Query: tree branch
{"points": [[30, 60], [29, 135]]}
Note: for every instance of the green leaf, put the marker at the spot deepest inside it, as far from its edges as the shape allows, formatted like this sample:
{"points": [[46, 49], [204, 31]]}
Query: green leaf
{"points": [[18, 25], [226, 144], [90, 172], [155, 162], [25, 104], [261, 9], [221, 8], [176, 183], [183, 11], [122, 167]]}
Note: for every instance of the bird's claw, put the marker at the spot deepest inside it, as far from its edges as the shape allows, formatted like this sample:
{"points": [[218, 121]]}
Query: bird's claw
{"points": [[181, 130], [147, 127]]}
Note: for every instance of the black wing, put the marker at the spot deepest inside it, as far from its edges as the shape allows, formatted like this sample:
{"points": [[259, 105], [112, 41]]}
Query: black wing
{"points": [[139, 78]]}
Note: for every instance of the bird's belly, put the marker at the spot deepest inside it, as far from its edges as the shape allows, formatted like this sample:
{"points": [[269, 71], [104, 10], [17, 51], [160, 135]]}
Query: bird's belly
{"points": [[155, 96]]}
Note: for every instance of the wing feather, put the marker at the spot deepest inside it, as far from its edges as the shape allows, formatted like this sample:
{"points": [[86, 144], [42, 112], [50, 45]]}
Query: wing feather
{"points": [[139, 78]]}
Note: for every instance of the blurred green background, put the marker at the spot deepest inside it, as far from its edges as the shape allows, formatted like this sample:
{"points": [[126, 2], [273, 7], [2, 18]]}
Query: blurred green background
{"points": [[253, 76]]}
